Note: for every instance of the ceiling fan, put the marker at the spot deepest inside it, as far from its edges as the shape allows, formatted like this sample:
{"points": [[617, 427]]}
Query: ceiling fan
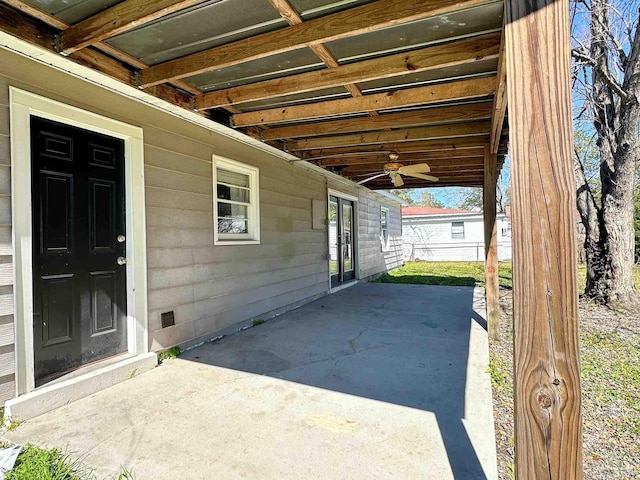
{"points": [[395, 171]]}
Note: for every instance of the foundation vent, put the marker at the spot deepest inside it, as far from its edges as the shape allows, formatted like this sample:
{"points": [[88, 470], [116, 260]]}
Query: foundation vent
{"points": [[168, 319]]}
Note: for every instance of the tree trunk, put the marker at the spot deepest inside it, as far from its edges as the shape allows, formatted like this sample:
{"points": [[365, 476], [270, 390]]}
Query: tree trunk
{"points": [[609, 242]]}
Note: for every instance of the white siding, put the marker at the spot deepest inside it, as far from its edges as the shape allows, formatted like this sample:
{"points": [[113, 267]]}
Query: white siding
{"points": [[428, 237], [208, 287]]}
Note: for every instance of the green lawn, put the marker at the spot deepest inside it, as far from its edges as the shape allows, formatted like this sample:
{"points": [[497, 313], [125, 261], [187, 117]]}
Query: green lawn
{"points": [[462, 274]]}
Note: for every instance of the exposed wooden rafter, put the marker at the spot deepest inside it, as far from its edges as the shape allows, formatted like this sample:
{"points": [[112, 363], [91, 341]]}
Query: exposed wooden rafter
{"points": [[430, 58], [409, 97], [428, 116], [357, 20], [290, 14], [118, 19], [435, 132], [33, 29], [414, 157], [499, 103]]}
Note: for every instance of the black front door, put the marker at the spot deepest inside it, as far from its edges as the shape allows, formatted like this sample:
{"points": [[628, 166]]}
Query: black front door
{"points": [[341, 240], [79, 281]]}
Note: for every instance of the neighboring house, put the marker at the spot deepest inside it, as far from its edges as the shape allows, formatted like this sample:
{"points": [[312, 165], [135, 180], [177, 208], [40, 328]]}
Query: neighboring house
{"points": [[441, 234], [164, 227]]}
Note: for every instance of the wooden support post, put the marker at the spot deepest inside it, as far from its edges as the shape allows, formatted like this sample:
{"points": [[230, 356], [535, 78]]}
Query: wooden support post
{"points": [[548, 424], [492, 288]]}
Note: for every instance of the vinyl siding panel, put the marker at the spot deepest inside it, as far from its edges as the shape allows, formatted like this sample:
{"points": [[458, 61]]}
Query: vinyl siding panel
{"points": [[209, 287], [7, 336]]}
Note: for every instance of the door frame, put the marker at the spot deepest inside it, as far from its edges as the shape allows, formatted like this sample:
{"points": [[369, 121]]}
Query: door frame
{"points": [[356, 246], [23, 105]]}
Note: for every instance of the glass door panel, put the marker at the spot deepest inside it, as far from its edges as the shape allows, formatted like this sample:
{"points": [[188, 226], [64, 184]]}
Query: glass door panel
{"points": [[341, 240], [334, 248]]}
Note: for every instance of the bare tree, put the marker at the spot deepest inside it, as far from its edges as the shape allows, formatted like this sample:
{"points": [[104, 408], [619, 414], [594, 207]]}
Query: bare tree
{"points": [[606, 55]]}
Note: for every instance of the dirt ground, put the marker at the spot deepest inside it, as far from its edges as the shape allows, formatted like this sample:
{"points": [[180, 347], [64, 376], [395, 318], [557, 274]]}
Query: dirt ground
{"points": [[610, 359]]}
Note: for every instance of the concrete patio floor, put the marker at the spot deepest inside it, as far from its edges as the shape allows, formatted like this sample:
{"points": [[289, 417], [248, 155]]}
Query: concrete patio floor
{"points": [[376, 381]]}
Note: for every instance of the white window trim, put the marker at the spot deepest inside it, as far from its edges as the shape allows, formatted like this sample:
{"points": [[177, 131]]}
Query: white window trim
{"points": [[386, 245], [23, 105], [253, 224]]}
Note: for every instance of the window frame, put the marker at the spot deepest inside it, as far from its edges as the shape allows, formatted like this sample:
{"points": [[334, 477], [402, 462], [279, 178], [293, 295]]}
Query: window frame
{"points": [[252, 237], [452, 232], [385, 242]]}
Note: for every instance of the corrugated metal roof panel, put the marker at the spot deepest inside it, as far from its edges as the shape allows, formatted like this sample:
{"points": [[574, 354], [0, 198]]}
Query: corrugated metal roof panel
{"points": [[204, 26], [72, 11]]}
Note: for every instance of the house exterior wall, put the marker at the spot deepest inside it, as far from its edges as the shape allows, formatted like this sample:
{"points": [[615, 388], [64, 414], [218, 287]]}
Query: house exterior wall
{"points": [[209, 287], [429, 237]]}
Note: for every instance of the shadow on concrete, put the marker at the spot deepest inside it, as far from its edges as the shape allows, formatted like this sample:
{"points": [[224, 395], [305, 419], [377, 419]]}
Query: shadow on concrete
{"points": [[403, 344]]}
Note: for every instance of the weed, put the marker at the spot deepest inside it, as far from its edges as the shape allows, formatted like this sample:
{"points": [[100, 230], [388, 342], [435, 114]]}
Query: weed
{"points": [[499, 379], [257, 322], [125, 475], [133, 373], [42, 464], [173, 352], [13, 423]]}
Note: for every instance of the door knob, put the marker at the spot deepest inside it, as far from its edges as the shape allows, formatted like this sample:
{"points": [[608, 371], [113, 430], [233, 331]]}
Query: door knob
{"points": [[121, 261]]}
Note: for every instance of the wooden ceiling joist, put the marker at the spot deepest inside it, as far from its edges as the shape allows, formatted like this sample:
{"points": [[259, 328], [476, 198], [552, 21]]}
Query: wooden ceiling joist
{"points": [[117, 19], [292, 17], [443, 164], [435, 132], [34, 30], [409, 97], [450, 54], [354, 21], [499, 103], [418, 157], [418, 183], [412, 118], [453, 145]]}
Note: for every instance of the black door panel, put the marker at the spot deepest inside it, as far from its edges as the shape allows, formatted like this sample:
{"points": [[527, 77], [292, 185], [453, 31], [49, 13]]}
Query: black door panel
{"points": [[78, 206]]}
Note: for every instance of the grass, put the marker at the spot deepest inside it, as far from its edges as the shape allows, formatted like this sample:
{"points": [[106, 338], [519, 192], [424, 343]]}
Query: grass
{"points": [[469, 274], [35, 463]]}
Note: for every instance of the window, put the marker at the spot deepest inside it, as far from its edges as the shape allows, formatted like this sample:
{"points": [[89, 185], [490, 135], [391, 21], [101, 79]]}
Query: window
{"points": [[457, 230], [384, 228], [236, 212]]}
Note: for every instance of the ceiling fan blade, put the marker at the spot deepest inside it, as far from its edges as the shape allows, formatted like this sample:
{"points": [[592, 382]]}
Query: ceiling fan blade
{"points": [[431, 178], [419, 168], [397, 180], [371, 178]]}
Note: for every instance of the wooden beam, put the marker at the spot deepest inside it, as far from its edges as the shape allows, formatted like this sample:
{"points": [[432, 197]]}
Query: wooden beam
{"points": [[435, 57], [437, 162], [459, 146], [428, 116], [408, 97], [118, 19], [499, 101], [435, 170], [435, 132], [417, 183], [366, 162], [492, 288], [354, 21], [289, 13], [111, 51], [548, 423]]}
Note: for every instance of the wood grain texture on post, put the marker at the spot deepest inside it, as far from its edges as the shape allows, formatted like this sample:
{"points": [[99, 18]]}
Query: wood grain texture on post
{"points": [[548, 421], [492, 286]]}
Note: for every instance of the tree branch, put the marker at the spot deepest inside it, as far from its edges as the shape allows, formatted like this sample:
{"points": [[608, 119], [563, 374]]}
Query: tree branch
{"points": [[604, 75]]}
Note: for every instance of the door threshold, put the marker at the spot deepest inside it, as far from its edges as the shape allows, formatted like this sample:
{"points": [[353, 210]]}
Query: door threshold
{"points": [[350, 283], [79, 384]]}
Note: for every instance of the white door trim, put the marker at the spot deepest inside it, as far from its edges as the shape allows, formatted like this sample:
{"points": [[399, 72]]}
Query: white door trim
{"points": [[356, 228], [23, 105]]}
